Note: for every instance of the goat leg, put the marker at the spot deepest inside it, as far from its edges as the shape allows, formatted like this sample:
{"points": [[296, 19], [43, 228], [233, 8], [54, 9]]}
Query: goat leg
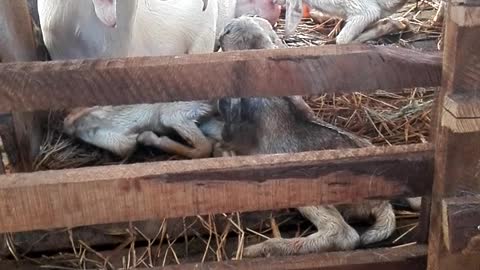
{"points": [[354, 27], [382, 28], [202, 147], [333, 234], [381, 211]]}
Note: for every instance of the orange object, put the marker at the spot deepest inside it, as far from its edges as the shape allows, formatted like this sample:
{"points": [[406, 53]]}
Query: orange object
{"points": [[306, 11]]}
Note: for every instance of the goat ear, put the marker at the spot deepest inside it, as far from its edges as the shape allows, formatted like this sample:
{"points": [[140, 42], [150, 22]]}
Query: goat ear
{"points": [[205, 4], [293, 15], [301, 107], [230, 109], [106, 11]]}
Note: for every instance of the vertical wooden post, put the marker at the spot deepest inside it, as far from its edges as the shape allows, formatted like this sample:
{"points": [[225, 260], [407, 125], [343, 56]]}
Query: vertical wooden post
{"points": [[2, 166], [457, 138], [17, 43]]}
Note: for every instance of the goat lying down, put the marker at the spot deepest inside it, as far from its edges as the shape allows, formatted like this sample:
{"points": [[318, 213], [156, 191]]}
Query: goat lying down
{"points": [[119, 129], [283, 124], [363, 17], [78, 29]]}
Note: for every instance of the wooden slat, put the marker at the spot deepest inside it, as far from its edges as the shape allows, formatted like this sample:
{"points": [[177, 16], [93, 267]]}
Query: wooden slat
{"points": [[2, 166], [18, 43], [54, 85], [8, 138], [14, 265], [424, 221], [112, 194], [461, 226], [404, 258], [457, 129]]}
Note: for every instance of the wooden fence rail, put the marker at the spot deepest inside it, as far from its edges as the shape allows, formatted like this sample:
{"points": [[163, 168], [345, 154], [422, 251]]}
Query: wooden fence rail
{"points": [[110, 194], [58, 85], [399, 258], [402, 258]]}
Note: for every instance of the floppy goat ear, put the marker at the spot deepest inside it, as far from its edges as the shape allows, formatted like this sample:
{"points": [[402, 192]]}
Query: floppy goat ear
{"points": [[301, 107], [205, 4], [106, 11]]}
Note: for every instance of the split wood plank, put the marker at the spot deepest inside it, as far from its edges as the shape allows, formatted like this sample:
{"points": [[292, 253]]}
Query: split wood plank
{"points": [[315, 70], [457, 149], [110, 194]]}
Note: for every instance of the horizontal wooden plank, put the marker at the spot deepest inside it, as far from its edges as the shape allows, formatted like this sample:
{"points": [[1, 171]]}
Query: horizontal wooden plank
{"points": [[461, 227], [348, 68], [402, 258], [109, 194], [22, 265]]}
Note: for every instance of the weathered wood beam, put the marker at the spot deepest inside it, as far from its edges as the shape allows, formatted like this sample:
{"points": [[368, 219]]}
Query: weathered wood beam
{"points": [[66, 84], [461, 225], [2, 166], [7, 133], [17, 43], [457, 129], [400, 258], [109, 194], [411, 258]]}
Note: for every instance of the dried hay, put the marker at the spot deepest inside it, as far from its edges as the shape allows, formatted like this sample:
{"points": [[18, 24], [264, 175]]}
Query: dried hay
{"points": [[384, 118]]}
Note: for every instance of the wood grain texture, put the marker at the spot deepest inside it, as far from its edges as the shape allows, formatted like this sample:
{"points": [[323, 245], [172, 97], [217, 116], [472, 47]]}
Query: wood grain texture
{"points": [[2, 166], [411, 258], [461, 224], [424, 221], [457, 140], [109, 194], [18, 43], [66, 84]]}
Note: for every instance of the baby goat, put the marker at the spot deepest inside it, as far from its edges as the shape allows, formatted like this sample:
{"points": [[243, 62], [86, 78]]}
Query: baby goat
{"points": [[362, 17], [285, 124], [119, 128]]}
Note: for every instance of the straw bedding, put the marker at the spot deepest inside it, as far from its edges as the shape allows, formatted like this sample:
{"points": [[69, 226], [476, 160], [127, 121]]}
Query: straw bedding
{"points": [[385, 118]]}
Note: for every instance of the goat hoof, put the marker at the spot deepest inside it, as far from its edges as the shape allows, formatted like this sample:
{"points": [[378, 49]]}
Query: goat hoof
{"points": [[272, 247]]}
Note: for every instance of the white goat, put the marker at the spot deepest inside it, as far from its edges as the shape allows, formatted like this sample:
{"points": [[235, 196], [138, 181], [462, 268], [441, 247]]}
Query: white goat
{"points": [[77, 29], [360, 15]]}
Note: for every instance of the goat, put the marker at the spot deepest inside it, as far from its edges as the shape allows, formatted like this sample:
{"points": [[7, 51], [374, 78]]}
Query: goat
{"points": [[110, 28], [119, 128], [362, 17], [283, 124], [75, 29]]}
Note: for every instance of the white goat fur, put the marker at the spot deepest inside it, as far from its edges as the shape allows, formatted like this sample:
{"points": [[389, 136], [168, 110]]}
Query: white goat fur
{"points": [[72, 29], [78, 29], [359, 14]]}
